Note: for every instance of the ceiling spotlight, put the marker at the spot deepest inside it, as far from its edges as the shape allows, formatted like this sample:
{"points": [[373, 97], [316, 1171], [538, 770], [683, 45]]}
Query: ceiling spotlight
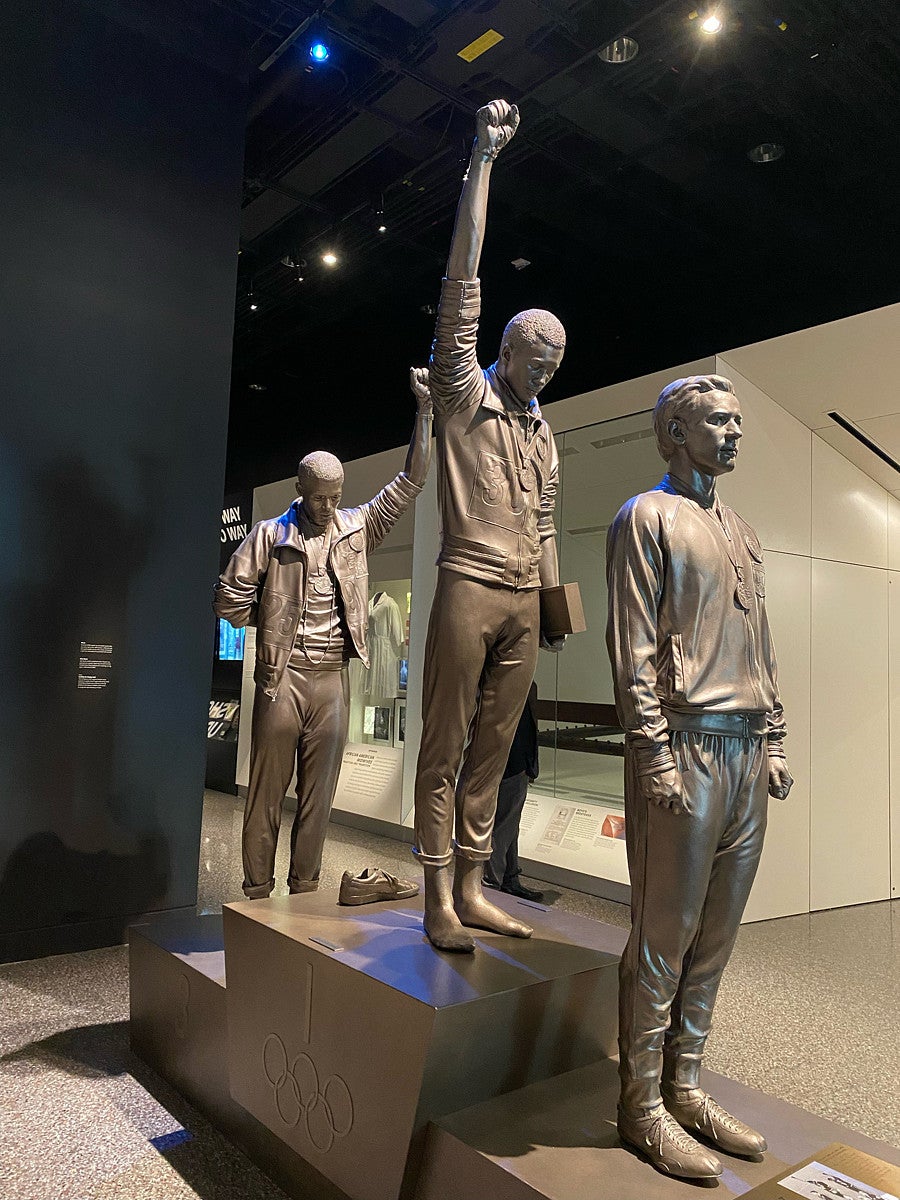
{"points": [[256, 387], [712, 24], [253, 305], [319, 52], [329, 259], [382, 228], [766, 152], [622, 50]]}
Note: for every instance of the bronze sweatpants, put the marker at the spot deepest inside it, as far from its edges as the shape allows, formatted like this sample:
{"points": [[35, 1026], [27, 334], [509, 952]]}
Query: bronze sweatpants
{"points": [[306, 721], [691, 875], [479, 663]]}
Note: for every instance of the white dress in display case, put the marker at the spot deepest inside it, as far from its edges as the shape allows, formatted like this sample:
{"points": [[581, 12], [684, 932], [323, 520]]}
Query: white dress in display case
{"points": [[385, 640]]}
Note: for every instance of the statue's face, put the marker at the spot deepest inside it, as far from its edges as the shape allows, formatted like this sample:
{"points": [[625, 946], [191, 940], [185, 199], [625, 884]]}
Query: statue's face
{"points": [[528, 369], [320, 499], [710, 433]]}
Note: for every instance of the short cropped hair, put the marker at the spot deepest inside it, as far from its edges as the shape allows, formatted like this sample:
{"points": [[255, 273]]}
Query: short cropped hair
{"points": [[534, 325], [677, 399], [320, 467]]}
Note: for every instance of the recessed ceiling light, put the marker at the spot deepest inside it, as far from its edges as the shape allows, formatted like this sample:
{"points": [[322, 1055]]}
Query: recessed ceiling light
{"points": [[621, 50], [253, 306], [766, 152], [382, 228], [712, 24], [329, 259]]}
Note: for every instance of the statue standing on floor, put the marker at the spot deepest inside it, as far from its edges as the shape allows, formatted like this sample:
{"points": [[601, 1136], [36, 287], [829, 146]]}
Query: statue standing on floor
{"points": [[696, 692], [497, 482], [302, 580]]}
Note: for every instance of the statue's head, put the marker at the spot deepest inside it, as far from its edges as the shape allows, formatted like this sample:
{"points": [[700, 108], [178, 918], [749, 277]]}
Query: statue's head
{"points": [[531, 350], [320, 481], [697, 422]]}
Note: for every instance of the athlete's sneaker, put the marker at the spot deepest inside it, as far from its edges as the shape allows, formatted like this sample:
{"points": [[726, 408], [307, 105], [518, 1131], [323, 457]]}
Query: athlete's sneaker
{"points": [[696, 1110], [374, 884], [659, 1136]]}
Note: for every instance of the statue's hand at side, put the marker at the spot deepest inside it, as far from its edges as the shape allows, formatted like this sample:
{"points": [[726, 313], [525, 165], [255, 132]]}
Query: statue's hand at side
{"points": [[780, 778], [665, 789], [496, 124], [418, 381]]}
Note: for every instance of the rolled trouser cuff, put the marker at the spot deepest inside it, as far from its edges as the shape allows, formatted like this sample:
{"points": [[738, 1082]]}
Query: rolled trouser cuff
{"points": [[258, 891], [302, 885], [470, 853], [433, 860]]}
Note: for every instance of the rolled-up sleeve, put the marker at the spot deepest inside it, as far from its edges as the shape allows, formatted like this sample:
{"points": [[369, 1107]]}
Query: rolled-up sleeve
{"points": [[635, 560], [236, 593], [381, 513], [455, 378]]}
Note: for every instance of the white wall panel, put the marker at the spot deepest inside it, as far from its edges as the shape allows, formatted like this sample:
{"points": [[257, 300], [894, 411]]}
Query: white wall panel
{"points": [[850, 511], [893, 533], [771, 484], [782, 884], [894, 685], [849, 827]]}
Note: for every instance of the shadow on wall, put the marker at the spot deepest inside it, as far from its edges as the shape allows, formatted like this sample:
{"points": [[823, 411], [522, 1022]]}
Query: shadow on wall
{"points": [[79, 839]]}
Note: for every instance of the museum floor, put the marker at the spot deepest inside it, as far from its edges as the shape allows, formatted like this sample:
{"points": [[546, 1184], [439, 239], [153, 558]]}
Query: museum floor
{"points": [[808, 1012]]}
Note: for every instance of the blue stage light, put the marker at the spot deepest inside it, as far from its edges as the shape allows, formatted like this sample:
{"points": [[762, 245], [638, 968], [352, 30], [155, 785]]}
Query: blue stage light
{"points": [[319, 52]]}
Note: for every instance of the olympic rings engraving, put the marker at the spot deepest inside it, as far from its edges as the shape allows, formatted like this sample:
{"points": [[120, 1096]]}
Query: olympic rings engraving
{"points": [[326, 1112]]}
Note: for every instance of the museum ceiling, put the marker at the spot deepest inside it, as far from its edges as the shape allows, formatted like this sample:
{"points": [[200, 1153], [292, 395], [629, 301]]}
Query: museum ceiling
{"points": [[629, 191]]}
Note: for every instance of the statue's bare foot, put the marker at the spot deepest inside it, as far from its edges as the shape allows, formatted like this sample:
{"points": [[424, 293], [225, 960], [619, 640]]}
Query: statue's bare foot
{"points": [[444, 931], [478, 913]]}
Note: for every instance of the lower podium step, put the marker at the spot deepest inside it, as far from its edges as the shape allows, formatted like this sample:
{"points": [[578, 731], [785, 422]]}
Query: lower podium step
{"points": [[557, 1140]]}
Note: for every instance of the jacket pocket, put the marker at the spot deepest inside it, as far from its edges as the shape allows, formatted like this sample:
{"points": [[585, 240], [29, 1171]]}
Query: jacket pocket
{"points": [[677, 664]]}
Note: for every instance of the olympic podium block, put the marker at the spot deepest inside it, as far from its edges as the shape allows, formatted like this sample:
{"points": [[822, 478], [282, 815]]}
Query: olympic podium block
{"points": [[348, 1032]]}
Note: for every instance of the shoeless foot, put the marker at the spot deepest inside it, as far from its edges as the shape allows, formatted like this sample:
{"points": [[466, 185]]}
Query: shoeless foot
{"points": [[442, 926], [475, 911], [445, 932]]}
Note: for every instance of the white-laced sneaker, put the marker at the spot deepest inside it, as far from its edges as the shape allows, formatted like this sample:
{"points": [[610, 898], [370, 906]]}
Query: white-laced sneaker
{"points": [[696, 1110], [659, 1136]]}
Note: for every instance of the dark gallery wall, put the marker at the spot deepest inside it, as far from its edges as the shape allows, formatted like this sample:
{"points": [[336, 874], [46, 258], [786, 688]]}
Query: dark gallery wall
{"points": [[121, 141]]}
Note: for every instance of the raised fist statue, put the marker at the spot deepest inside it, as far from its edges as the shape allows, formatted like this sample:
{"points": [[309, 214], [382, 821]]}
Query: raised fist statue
{"points": [[496, 124]]}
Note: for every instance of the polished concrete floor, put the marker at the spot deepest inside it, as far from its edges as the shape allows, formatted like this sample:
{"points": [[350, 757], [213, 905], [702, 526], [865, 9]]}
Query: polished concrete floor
{"points": [[809, 1011]]}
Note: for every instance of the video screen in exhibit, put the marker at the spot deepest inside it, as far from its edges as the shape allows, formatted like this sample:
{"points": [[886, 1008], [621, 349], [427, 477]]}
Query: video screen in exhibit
{"points": [[230, 643]]}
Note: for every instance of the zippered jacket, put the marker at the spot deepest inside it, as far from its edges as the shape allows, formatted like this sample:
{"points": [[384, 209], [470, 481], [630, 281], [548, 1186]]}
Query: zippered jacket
{"points": [[687, 630]]}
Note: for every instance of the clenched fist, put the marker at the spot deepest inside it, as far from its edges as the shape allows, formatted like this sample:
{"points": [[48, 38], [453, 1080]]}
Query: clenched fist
{"points": [[496, 124], [418, 381]]}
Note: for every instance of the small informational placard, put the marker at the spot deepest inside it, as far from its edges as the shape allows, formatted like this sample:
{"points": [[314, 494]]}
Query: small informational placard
{"points": [[370, 781], [583, 837], [94, 666], [837, 1172]]}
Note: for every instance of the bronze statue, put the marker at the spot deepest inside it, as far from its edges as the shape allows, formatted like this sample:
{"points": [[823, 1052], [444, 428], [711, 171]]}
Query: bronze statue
{"points": [[302, 579], [497, 484], [697, 694]]}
